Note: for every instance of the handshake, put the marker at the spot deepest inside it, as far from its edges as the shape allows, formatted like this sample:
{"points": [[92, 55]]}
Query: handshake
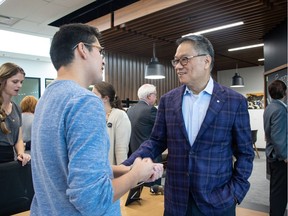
{"points": [[147, 171]]}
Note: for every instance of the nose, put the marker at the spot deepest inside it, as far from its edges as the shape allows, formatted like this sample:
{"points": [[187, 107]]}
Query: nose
{"points": [[178, 65]]}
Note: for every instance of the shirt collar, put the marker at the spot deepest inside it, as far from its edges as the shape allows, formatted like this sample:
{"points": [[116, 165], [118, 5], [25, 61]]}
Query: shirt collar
{"points": [[208, 89], [282, 103], [144, 101]]}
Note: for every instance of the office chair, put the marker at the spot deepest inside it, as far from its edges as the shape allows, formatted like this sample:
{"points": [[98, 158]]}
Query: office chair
{"points": [[254, 139], [16, 187]]}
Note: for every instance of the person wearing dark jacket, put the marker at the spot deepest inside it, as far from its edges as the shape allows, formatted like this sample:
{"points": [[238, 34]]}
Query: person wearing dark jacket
{"points": [[142, 116], [275, 126]]}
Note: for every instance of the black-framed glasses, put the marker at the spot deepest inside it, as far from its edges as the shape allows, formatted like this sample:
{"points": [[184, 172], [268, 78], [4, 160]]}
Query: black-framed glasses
{"points": [[100, 49], [184, 60]]}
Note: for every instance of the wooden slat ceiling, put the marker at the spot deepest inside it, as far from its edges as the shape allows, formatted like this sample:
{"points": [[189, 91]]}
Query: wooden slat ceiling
{"points": [[136, 37]]}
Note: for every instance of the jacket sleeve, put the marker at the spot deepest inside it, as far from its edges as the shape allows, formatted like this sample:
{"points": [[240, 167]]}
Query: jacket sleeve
{"points": [[154, 146], [278, 125], [243, 152]]}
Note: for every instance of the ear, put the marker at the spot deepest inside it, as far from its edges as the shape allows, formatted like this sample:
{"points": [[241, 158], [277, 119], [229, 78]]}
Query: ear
{"points": [[207, 61], [82, 50], [106, 99]]}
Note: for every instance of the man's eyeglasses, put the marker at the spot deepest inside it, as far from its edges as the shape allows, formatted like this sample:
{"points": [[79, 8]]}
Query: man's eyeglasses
{"points": [[184, 60], [100, 49]]}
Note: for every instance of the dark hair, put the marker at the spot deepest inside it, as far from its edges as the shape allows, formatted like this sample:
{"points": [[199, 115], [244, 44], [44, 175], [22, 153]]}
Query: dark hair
{"points": [[7, 70], [277, 89], [107, 89], [66, 38], [201, 44]]}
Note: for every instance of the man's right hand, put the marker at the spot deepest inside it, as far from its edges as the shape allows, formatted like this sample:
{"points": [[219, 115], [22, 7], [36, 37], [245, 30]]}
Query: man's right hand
{"points": [[143, 169]]}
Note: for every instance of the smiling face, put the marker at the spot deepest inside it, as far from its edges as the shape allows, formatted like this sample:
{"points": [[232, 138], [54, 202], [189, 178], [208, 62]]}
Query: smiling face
{"points": [[197, 70], [13, 84]]}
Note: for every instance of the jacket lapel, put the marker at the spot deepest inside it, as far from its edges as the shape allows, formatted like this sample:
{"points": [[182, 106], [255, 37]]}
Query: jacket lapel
{"points": [[218, 99], [177, 103]]}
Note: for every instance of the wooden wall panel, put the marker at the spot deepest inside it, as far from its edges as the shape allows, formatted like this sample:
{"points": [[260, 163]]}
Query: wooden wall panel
{"points": [[126, 74]]}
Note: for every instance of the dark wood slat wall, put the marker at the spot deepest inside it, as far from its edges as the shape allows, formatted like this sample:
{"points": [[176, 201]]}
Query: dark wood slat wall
{"points": [[126, 74], [164, 27]]}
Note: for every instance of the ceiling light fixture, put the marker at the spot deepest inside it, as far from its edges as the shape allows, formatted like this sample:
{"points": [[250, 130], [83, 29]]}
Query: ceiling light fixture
{"points": [[215, 29], [237, 80], [261, 59], [246, 47], [154, 70]]}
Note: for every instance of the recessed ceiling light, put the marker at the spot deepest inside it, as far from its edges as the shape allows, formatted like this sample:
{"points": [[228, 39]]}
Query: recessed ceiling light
{"points": [[215, 29], [246, 47]]}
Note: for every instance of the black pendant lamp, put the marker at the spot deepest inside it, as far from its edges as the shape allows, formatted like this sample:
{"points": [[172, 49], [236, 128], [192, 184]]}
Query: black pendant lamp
{"points": [[237, 80], [154, 70]]}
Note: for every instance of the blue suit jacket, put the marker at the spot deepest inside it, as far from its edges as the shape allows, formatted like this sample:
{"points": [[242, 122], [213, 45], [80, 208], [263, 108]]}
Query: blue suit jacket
{"points": [[206, 169]]}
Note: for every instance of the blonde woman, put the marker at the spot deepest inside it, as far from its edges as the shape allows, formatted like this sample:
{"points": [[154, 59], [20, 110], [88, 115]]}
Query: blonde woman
{"points": [[28, 105], [11, 79]]}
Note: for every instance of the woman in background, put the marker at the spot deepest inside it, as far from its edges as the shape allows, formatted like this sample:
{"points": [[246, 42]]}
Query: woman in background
{"points": [[27, 105], [11, 79], [117, 121]]}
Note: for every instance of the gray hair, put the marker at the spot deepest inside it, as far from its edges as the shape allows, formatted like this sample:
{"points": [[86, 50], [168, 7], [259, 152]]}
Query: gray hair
{"points": [[145, 90], [201, 44]]}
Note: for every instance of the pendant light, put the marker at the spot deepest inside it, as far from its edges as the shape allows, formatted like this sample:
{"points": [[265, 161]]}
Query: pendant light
{"points": [[237, 80], [154, 70]]}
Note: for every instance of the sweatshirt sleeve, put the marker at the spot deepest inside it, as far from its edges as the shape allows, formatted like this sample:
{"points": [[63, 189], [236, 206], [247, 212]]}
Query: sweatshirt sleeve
{"points": [[89, 173]]}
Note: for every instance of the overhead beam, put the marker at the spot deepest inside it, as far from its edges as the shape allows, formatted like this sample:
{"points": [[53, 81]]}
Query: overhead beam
{"points": [[102, 23], [132, 12], [142, 8]]}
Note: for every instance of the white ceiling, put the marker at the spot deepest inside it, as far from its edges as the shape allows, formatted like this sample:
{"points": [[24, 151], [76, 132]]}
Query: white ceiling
{"points": [[35, 15]]}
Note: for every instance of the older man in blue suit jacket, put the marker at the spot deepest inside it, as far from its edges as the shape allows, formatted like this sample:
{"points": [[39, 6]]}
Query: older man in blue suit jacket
{"points": [[203, 124]]}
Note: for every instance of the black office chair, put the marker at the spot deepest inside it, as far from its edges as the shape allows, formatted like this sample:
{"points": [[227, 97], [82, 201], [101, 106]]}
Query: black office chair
{"points": [[254, 139], [16, 188]]}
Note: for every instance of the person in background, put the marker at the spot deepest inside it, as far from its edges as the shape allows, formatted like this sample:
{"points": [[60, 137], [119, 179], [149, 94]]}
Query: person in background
{"points": [[117, 122], [27, 105], [275, 127], [71, 171], [142, 117], [11, 79], [202, 124]]}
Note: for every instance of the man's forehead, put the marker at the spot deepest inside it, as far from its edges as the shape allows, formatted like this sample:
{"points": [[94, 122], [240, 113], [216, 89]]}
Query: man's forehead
{"points": [[184, 49]]}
